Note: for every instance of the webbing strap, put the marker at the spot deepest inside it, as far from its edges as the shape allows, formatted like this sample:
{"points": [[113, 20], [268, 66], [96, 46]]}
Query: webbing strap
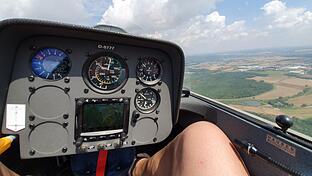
{"points": [[101, 163]]}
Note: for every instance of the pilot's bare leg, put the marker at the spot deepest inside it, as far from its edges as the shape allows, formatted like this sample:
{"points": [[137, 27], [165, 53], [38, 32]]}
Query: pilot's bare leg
{"points": [[202, 149], [6, 171]]}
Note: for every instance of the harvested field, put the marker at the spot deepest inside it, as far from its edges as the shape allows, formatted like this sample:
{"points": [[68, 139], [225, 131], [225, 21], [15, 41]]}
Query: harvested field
{"points": [[259, 109], [270, 79], [298, 81], [283, 86], [278, 91], [299, 101], [301, 113]]}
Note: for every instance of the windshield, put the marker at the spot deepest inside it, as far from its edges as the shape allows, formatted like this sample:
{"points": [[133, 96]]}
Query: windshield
{"points": [[252, 55]]}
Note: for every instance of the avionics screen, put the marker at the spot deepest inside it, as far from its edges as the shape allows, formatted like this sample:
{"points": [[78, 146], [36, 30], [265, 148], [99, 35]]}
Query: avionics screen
{"points": [[102, 117]]}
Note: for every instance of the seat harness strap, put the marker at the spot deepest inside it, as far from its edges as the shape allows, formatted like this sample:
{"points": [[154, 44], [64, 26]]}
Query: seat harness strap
{"points": [[101, 163]]}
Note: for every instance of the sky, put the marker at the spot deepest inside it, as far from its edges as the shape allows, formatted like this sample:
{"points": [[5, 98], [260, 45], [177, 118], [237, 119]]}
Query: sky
{"points": [[198, 26]]}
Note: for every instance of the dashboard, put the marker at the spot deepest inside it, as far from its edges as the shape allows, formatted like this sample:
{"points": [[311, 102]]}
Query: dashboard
{"points": [[74, 90]]}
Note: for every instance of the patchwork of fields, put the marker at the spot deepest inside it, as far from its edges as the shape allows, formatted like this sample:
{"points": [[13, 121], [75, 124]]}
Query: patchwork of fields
{"points": [[258, 89]]}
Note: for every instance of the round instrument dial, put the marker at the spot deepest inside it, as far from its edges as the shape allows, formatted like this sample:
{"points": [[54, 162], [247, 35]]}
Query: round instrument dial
{"points": [[147, 100], [50, 64], [106, 73], [149, 71]]}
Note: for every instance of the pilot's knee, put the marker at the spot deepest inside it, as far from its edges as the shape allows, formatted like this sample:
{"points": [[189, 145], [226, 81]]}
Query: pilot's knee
{"points": [[202, 133], [202, 128]]}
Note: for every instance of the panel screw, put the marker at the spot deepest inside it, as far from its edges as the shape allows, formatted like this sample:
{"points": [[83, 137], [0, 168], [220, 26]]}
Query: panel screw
{"points": [[32, 89], [65, 116], [133, 142], [65, 124], [159, 83], [123, 91], [123, 136], [79, 102], [86, 91], [67, 80], [32, 152], [33, 47], [31, 126], [67, 89], [126, 101], [31, 117], [155, 139], [64, 150], [137, 90], [31, 78], [157, 111], [68, 51]]}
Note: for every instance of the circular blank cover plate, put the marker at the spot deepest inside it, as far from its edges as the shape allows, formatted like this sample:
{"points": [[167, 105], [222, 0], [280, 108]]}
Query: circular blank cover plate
{"points": [[143, 124], [48, 138], [49, 102]]}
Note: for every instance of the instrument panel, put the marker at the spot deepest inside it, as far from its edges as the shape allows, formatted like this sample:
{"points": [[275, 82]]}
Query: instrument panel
{"points": [[93, 97], [70, 95]]}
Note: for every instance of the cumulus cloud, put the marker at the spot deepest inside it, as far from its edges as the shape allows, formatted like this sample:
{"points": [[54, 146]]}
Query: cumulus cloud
{"points": [[207, 31], [189, 23], [285, 17], [216, 19], [138, 15], [69, 11], [198, 26], [274, 7]]}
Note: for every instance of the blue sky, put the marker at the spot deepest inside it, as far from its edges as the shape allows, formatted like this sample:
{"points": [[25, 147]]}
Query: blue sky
{"points": [[198, 26]]}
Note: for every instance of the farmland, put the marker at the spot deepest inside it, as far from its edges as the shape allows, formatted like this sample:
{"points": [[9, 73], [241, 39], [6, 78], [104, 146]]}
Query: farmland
{"points": [[265, 85]]}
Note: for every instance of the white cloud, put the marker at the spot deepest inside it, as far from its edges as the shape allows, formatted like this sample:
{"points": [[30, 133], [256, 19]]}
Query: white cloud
{"points": [[192, 24], [69, 11], [274, 7], [215, 19], [200, 35], [198, 26], [147, 15], [285, 17]]}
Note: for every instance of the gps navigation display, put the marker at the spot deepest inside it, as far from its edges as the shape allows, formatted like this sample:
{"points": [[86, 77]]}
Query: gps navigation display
{"points": [[102, 117]]}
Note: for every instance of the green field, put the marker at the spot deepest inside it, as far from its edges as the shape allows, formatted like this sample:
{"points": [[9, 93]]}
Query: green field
{"points": [[271, 72], [234, 88], [225, 85]]}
